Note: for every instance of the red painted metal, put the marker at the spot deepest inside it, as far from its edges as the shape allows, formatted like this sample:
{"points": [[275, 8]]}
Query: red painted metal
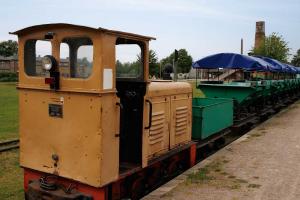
{"points": [[49, 80], [97, 193], [116, 190], [132, 183], [193, 152]]}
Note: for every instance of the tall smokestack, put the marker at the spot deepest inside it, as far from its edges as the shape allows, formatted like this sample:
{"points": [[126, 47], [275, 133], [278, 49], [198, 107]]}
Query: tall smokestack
{"points": [[259, 33], [242, 46]]}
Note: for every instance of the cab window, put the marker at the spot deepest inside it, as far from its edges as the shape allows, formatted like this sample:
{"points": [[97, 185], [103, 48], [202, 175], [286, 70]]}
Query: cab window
{"points": [[129, 60], [76, 57], [34, 51]]}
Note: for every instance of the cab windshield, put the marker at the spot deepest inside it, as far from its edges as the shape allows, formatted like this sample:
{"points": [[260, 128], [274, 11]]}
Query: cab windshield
{"points": [[129, 60]]}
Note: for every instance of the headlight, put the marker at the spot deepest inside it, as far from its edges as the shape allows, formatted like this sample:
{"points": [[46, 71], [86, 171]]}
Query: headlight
{"points": [[47, 62]]}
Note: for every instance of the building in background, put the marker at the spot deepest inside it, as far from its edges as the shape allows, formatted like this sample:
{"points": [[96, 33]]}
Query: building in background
{"points": [[259, 34]]}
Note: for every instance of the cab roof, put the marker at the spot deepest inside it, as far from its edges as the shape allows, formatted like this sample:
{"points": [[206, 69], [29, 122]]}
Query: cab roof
{"points": [[65, 25]]}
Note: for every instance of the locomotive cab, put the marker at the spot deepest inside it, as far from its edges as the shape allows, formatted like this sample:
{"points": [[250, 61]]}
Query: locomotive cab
{"points": [[88, 115], [131, 89]]}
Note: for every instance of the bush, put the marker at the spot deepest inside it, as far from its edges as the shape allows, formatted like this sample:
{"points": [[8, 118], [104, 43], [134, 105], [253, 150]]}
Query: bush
{"points": [[8, 77]]}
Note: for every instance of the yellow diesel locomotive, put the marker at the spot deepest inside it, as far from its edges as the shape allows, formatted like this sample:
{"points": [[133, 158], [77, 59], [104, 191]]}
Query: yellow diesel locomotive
{"points": [[92, 127]]}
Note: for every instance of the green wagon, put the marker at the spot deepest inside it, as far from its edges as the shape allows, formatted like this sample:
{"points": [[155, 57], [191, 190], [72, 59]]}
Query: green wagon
{"points": [[210, 116], [242, 93]]}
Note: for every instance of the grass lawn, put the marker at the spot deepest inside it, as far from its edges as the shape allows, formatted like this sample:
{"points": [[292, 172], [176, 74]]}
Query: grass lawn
{"points": [[11, 176], [8, 111]]}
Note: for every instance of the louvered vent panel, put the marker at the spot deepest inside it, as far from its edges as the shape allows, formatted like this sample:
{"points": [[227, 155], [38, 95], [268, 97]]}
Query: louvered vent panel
{"points": [[181, 120], [157, 128]]}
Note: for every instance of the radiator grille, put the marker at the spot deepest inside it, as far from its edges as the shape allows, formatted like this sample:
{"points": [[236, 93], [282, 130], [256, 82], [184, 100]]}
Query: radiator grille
{"points": [[181, 120], [157, 128]]}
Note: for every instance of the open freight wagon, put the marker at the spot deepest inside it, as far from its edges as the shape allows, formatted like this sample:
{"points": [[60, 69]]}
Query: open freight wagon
{"points": [[210, 116], [251, 96]]}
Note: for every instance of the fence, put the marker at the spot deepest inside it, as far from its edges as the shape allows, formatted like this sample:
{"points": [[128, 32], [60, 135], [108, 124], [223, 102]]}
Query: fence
{"points": [[8, 64]]}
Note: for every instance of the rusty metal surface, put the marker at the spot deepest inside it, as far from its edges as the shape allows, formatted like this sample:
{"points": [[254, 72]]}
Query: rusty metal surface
{"points": [[36, 192]]}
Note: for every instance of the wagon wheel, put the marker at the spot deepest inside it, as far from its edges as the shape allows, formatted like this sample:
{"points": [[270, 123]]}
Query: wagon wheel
{"points": [[219, 143]]}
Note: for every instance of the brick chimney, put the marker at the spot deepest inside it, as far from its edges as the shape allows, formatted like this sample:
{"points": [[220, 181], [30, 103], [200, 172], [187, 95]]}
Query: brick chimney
{"points": [[259, 33]]}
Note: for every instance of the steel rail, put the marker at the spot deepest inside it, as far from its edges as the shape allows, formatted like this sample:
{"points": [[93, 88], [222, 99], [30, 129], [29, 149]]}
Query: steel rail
{"points": [[9, 145]]}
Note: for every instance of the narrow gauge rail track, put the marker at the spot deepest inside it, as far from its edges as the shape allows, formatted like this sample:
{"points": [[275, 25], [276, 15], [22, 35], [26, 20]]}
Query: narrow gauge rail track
{"points": [[9, 145]]}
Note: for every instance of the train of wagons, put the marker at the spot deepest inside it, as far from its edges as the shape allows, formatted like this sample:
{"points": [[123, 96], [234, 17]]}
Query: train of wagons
{"points": [[90, 128]]}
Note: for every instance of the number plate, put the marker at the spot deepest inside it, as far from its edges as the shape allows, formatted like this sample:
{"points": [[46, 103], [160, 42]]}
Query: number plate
{"points": [[55, 110]]}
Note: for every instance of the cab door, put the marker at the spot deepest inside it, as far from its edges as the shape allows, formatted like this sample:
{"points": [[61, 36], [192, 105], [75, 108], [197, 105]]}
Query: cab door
{"points": [[131, 89]]}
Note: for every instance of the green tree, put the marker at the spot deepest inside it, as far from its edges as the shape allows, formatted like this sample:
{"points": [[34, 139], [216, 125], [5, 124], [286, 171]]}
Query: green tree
{"points": [[153, 63], [84, 62], [274, 47], [184, 61], [128, 69], [296, 59], [8, 48], [154, 69]]}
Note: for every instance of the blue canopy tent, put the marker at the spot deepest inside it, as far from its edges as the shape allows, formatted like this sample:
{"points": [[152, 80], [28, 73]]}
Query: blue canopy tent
{"points": [[279, 66], [285, 69], [276, 65], [232, 61], [292, 69]]}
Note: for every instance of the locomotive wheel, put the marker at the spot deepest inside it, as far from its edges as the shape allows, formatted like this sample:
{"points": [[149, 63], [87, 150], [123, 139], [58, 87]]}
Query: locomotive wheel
{"points": [[173, 166], [155, 176], [137, 188]]}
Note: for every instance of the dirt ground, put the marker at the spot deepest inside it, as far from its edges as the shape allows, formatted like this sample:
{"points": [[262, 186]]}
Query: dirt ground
{"points": [[264, 164]]}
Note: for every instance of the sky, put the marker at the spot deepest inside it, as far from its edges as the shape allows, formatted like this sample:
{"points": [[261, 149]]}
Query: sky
{"points": [[203, 27]]}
